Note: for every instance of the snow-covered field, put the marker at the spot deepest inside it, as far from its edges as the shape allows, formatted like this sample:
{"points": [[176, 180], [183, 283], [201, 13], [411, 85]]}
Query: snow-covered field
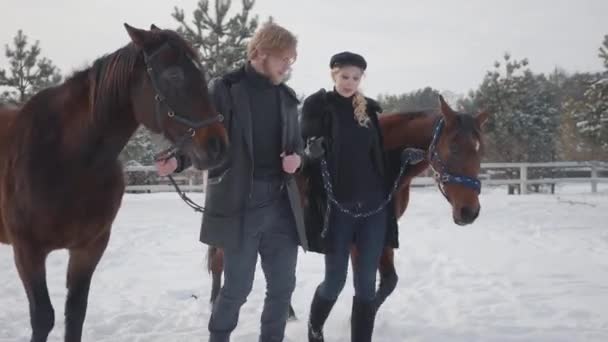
{"points": [[532, 268]]}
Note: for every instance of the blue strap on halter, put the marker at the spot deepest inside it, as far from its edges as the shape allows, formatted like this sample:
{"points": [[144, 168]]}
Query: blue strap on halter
{"points": [[466, 181]]}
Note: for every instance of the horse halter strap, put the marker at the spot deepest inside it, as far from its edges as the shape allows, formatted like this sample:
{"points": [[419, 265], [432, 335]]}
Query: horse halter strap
{"points": [[161, 101], [442, 175]]}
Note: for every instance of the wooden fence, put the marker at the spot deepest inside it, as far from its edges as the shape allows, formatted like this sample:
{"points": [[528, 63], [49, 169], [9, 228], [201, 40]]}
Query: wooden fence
{"points": [[518, 177]]}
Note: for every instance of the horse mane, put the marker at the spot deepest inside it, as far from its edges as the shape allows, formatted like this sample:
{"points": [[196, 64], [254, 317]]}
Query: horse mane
{"points": [[83, 114], [107, 81], [76, 115], [110, 75]]}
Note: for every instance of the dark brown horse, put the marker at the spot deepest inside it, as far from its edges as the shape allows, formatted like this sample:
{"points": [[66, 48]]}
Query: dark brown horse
{"points": [[453, 146], [61, 181]]}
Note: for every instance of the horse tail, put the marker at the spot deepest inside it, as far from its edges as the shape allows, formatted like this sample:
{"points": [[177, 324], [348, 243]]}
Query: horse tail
{"points": [[211, 251]]}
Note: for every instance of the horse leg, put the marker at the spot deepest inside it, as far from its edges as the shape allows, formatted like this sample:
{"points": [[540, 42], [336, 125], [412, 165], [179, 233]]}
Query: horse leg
{"points": [[388, 276], [215, 265], [3, 234], [81, 267], [30, 262]]}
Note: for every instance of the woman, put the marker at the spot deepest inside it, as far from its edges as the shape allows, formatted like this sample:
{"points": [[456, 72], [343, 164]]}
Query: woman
{"points": [[341, 129]]}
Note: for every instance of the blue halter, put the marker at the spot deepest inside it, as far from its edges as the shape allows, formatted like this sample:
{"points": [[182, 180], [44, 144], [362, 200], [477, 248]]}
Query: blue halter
{"points": [[442, 176]]}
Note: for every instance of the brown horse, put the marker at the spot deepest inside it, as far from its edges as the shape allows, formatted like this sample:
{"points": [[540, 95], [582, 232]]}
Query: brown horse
{"points": [[453, 144], [61, 181]]}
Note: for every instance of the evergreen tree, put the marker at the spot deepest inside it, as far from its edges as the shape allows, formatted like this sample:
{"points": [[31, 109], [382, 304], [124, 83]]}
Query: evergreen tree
{"points": [[139, 148], [591, 112], [604, 51], [422, 99], [525, 117], [572, 145], [28, 72], [221, 39]]}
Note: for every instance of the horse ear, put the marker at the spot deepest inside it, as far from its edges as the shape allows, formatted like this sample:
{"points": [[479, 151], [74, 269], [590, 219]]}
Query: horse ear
{"points": [[138, 36], [154, 28], [482, 118], [446, 110]]}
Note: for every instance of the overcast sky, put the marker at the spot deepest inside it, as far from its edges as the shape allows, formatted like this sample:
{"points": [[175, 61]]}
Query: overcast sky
{"points": [[409, 44]]}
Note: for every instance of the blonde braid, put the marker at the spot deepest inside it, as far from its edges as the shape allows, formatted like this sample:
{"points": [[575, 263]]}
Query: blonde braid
{"points": [[360, 105]]}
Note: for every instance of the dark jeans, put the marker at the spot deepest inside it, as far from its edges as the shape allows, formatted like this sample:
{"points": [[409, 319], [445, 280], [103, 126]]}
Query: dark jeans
{"points": [[369, 236], [269, 230]]}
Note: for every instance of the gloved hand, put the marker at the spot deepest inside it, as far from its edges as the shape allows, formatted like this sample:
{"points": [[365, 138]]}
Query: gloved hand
{"points": [[314, 148]]}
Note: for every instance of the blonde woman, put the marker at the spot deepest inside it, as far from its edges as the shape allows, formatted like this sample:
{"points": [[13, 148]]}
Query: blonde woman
{"points": [[252, 202], [341, 127]]}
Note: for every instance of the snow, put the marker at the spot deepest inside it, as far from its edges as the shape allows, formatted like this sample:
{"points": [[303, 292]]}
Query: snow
{"points": [[532, 268]]}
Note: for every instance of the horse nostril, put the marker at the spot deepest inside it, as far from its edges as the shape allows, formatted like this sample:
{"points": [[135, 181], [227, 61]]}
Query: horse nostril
{"points": [[468, 215]]}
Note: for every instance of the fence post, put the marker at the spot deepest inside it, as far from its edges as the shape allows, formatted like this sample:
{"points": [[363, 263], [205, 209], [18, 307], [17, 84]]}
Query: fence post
{"points": [[593, 177], [523, 179], [205, 175]]}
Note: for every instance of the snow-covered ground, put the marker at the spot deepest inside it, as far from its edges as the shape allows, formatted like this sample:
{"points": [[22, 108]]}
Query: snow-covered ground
{"points": [[532, 268]]}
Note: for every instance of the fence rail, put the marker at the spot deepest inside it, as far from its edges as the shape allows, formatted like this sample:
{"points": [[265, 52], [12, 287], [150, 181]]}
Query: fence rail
{"points": [[520, 177]]}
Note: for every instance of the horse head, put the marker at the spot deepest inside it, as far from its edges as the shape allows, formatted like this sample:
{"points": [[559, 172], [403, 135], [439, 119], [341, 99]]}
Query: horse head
{"points": [[455, 155], [171, 96]]}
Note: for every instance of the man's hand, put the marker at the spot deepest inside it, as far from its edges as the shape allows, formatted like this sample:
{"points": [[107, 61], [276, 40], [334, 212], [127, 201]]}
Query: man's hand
{"points": [[165, 167], [291, 162]]}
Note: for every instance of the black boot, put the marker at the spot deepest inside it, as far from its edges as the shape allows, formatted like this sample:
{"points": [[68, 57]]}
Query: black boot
{"points": [[362, 320], [319, 310]]}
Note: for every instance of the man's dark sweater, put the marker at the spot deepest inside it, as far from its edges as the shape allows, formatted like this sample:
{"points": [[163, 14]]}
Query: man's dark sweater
{"points": [[266, 125]]}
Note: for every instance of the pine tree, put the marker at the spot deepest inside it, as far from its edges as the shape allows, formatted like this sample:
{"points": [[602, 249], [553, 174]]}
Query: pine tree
{"points": [[421, 99], [525, 117], [28, 73], [591, 112], [221, 40], [571, 89], [139, 148], [604, 51]]}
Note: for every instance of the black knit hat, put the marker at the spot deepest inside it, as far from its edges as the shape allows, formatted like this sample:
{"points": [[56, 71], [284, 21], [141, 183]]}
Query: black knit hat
{"points": [[347, 58]]}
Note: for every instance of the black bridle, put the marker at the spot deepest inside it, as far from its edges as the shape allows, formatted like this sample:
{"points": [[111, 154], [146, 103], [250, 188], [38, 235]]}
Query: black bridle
{"points": [[163, 106]]}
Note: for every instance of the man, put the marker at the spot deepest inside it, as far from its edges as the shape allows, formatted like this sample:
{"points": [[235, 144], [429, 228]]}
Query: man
{"points": [[252, 202]]}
